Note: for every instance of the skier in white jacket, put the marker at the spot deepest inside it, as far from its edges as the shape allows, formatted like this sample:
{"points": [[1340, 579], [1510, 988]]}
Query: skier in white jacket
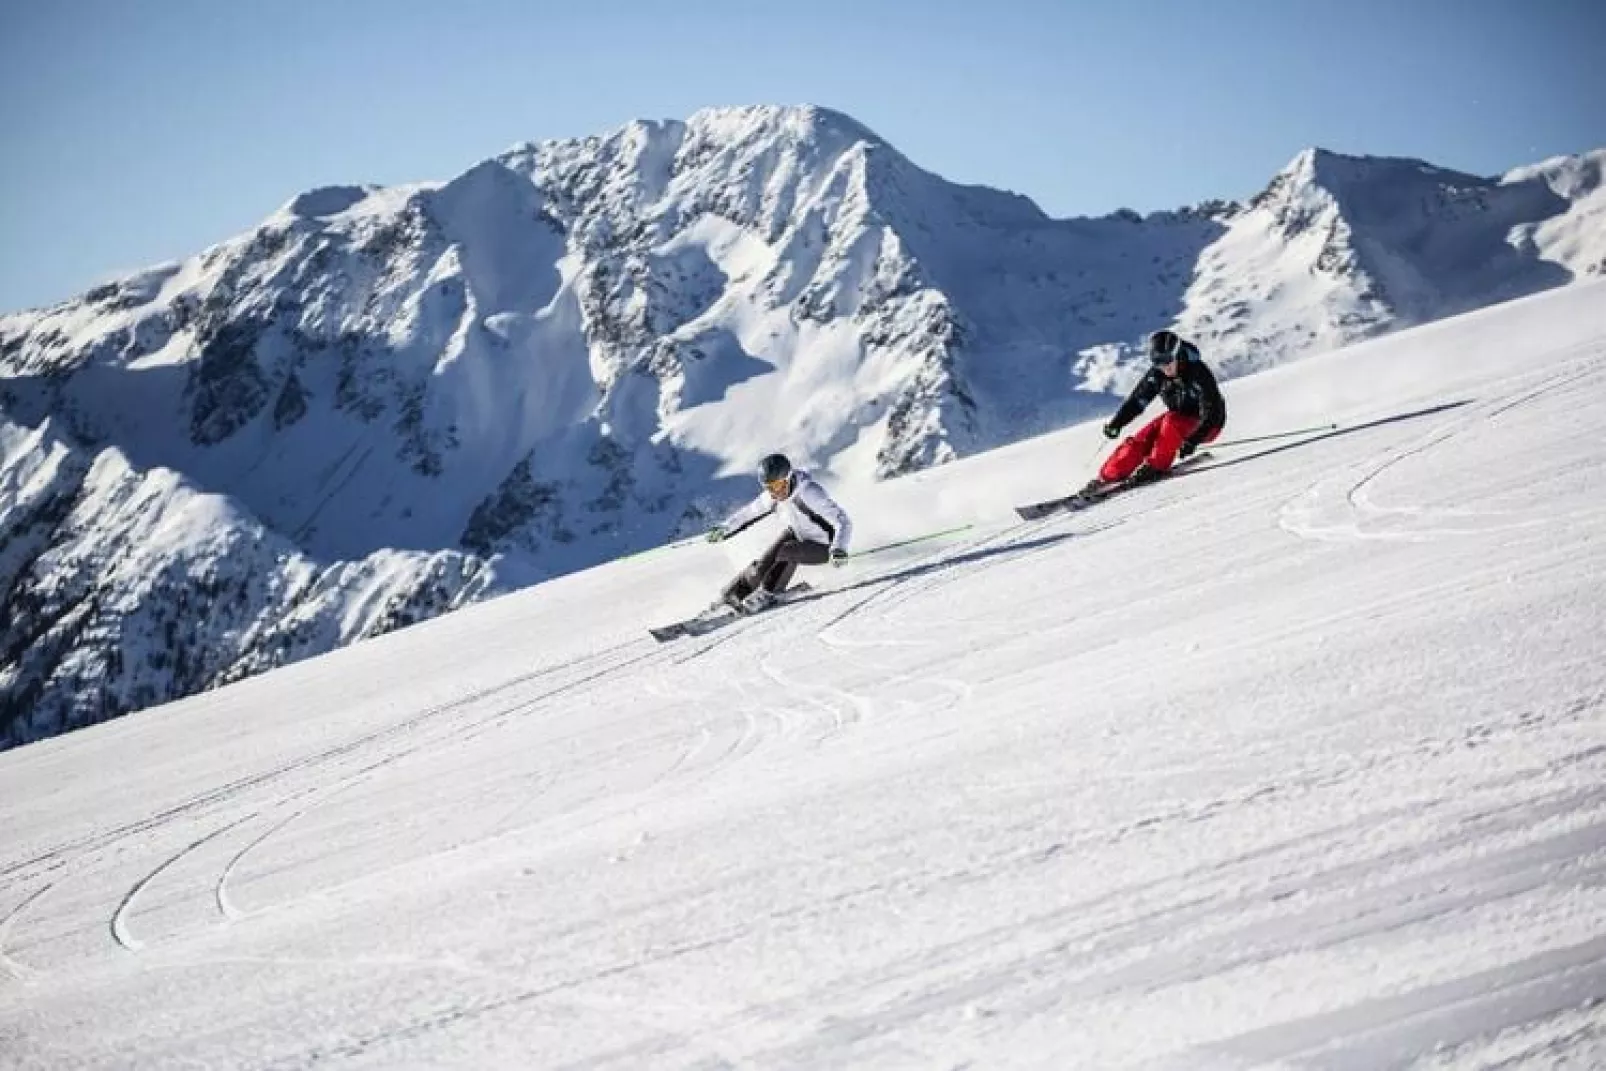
{"points": [[817, 531]]}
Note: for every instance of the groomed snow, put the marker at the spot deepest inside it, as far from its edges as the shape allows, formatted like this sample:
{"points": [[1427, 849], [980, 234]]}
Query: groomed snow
{"points": [[1295, 761]]}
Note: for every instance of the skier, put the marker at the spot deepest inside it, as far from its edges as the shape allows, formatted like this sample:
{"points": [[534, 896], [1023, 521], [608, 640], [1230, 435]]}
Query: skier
{"points": [[817, 532], [1195, 414]]}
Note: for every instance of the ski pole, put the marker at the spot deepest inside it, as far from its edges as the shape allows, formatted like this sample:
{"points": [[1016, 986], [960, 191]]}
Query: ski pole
{"points": [[906, 542], [688, 541], [1098, 448], [1276, 435]]}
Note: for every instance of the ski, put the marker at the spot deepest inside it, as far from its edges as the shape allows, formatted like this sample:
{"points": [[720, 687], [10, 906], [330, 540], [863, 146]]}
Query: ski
{"points": [[1069, 504], [1079, 501], [719, 615]]}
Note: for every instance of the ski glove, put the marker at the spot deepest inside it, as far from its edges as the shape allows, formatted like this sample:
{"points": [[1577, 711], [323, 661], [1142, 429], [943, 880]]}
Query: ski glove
{"points": [[1187, 450], [838, 556], [715, 534], [1111, 431]]}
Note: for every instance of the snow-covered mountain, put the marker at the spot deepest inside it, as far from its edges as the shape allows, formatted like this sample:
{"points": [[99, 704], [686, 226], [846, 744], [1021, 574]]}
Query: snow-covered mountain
{"points": [[1340, 248], [129, 587], [417, 396]]}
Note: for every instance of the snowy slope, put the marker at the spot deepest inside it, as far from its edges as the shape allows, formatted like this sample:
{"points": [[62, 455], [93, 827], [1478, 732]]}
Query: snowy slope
{"points": [[1292, 762], [576, 350]]}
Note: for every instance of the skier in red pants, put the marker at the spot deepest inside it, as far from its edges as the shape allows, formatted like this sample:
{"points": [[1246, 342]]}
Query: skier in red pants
{"points": [[1195, 414]]}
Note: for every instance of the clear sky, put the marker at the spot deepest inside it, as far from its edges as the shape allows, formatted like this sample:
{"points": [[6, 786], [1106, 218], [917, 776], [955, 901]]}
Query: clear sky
{"points": [[136, 132]]}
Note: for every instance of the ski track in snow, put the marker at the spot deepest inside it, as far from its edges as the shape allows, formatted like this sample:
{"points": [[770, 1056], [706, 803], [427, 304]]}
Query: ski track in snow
{"points": [[408, 733], [7, 964], [1342, 506], [454, 735]]}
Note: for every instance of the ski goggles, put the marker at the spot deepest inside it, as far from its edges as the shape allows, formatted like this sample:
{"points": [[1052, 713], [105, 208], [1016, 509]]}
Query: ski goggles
{"points": [[779, 487]]}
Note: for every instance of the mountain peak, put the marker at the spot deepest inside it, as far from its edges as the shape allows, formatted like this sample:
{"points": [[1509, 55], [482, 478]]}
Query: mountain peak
{"points": [[1319, 181], [325, 201], [1573, 175], [1316, 166], [805, 122], [1337, 172]]}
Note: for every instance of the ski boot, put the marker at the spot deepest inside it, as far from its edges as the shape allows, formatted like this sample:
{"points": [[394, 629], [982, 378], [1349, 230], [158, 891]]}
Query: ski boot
{"points": [[729, 599], [1094, 489], [1145, 473]]}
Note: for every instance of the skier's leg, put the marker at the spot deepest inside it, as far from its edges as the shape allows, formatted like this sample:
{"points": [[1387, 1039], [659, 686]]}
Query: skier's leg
{"points": [[1119, 465], [788, 557], [738, 589], [779, 576], [1171, 430], [750, 578], [780, 568]]}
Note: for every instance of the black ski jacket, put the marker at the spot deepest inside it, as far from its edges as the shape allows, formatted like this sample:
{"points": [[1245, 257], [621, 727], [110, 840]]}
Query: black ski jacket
{"points": [[1192, 393]]}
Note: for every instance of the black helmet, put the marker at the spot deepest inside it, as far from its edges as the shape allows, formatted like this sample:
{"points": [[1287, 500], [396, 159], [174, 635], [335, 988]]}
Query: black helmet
{"points": [[774, 468], [1165, 346]]}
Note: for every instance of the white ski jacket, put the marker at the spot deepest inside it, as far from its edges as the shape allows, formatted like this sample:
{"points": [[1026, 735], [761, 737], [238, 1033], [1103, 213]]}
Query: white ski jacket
{"points": [[808, 511]]}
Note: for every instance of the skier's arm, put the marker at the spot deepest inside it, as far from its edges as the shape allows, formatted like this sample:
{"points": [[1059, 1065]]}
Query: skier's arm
{"points": [[813, 498], [840, 519], [1141, 396], [1212, 406], [754, 511]]}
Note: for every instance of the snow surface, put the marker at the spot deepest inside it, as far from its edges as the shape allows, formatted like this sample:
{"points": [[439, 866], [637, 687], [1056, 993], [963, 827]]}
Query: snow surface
{"points": [[1296, 761]]}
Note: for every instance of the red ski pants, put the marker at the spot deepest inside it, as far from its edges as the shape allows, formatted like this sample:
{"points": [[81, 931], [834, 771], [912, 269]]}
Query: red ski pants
{"points": [[1157, 442]]}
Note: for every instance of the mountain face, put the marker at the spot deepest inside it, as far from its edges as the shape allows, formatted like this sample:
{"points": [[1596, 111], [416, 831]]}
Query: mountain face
{"points": [[1338, 248], [126, 588], [385, 402]]}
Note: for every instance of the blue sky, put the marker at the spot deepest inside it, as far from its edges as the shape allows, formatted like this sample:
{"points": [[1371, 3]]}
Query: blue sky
{"points": [[140, 132]]}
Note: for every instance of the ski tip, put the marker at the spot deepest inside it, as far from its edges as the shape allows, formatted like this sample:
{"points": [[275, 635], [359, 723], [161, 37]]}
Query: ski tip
{"points": [[1036, 511], [715, 616]]}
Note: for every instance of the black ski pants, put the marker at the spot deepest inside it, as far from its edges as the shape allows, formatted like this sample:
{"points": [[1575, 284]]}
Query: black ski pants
{"points": [[774, 568]]}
